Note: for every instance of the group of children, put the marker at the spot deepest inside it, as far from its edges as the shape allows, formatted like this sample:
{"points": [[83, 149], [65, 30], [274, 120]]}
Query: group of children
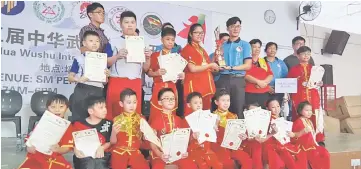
{"points": [[121, 138]]}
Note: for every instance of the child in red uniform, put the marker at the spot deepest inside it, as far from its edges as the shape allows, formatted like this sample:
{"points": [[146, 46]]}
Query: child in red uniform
{"points": [[305, 137], [164, 124], [97, 112], [302, 72], [202, 154], [168, 40], [275, 154], [222, 100], [57, 105], [126, 135]]}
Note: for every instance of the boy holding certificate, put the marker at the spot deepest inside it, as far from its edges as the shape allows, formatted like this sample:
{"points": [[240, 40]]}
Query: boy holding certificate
{"points": [[99, 159], [57, 105], [124, 74], [163, 124], [304, 136], [201, 154], [84, 87], [226, 156], [302, 72], [168, 40], [126, 136]]}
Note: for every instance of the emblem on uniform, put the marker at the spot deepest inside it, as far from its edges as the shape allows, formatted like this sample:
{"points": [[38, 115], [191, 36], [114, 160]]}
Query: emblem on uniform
{"points": [[239, 49]]}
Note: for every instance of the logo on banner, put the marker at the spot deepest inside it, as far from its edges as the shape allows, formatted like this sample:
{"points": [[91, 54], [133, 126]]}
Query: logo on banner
{"points": [[79, 12], [114, 17], [200, 19], [152, 24], [12, 7], [49, 11]]}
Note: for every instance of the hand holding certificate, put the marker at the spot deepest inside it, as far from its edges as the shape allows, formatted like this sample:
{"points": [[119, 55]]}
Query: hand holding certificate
{"points": [[87, 141], [261, 127], [203, 121], [175, 144], [174, 64], [316, 76], [48, 132], [135, 46], [149, 133], [95, 65], [231, 138], [283, 127]]}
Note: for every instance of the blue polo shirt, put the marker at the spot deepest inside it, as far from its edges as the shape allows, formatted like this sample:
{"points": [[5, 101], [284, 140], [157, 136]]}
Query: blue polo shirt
{"points": [[175, 49], [279, 69], [235, 53], [217, 76]]}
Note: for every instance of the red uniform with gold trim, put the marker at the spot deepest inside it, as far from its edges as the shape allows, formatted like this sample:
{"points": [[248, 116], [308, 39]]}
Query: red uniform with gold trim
{"points": [[126, 151], [54, 161], [302, 72], [225, 155], [317, 156], [282, 156], [201, 82], [158, 84], [164, 124]]}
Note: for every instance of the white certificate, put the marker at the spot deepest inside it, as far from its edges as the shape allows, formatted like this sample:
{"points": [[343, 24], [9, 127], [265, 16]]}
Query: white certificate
{"points": [[192, 120], [231, 138], [316, 76], [286, 85], [149, 133], [262, 117], [87, 141], [175, 144], [283, 126], [48, 132], [206, 124], [95, 65], [135, 46], [174, 64]]}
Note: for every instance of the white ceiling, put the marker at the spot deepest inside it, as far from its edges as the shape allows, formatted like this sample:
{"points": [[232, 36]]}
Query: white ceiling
{"points": [[340, 15]]}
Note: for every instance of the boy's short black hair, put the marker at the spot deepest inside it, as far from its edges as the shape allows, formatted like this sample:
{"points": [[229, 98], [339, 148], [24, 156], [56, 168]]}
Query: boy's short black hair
{"points": [[127, 92], [167, 24], [127, 14], [232, 21], [220, 93], [137, 31], [91, 8], [303, 49], [193, 95], [246, 107], [162, 91], [90, 33], [168, 31], [221, 35], [269, 44], [301, 106], [297, 38], [58, 98], [92, 100], [254, 41]]}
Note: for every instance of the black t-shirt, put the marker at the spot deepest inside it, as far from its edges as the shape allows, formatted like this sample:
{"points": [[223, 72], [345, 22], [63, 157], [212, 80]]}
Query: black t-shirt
{"points": [[104, 128]]}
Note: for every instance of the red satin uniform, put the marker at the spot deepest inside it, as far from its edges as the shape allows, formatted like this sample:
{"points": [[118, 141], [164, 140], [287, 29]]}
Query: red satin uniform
{"points": [[225, 155], [302, 72], [158, 84], [201, 82], [164, 124], [317, 156], [126, 151], [54, 161]]}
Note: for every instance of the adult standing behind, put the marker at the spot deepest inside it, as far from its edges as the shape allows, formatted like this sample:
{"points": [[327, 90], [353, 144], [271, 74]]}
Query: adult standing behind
{"points": [[292, 60], [198, 76], [224, 38], [258, 77], [237, 55]]}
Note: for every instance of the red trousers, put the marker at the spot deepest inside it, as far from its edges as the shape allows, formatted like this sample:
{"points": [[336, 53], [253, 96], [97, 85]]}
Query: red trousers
{"points": [[206, 101], [155, 108], [254, 149], [226, 157], [185, 163], [41, 162], [134, 159], [115, 86], [318, 158], [205, 160]]}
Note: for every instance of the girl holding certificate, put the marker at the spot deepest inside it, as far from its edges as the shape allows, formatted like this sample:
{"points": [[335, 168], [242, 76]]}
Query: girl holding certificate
{"points": [[198, 74], [168, 39], [302, 72], [57, 105], [304, 136]]}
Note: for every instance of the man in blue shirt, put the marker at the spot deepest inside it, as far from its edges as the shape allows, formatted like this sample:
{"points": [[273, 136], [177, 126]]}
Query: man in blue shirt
{"points": [[238, 58], [224, 37]]}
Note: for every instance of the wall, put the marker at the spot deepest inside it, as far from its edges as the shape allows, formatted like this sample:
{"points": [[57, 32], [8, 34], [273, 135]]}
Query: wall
{"points": [[346, 69]]}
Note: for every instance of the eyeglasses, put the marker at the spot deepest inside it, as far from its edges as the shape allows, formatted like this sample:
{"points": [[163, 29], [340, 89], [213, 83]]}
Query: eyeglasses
{"points": [[103, 13], [235, 27], [199, 33], [169, 99]]}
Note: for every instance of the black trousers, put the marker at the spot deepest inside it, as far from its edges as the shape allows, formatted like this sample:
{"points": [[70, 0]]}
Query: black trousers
{"points": [[180, 90], [81, 93], [260, 98], [92, 163], [234, 85]]}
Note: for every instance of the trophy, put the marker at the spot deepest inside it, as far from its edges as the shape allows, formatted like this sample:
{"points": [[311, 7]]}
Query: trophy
{"points": [[218, 54]]}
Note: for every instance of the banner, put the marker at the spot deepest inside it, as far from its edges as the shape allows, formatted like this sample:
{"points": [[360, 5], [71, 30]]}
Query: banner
{"points": [[40, 39]]}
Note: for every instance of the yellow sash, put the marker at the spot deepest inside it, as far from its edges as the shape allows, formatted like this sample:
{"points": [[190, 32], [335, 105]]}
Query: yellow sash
{"points": [[263, 64]]}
